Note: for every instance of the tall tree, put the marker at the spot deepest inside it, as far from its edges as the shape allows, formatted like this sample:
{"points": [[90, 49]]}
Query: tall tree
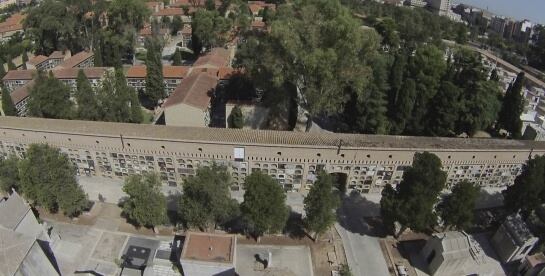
{"points": [[146, 204], [512, 107], [236, 118], [176, 25], [404, 106], [481, 106], [320, 205], [177, 58], [49, 98], [48, 179], [209, 29], [457, 208], [528, 192], [206, 201], [264, 208], [9, 174], [444, 110], [494, 75], [118, 101], [86, 99], [7, 103], [412, 204], [155, 87]]}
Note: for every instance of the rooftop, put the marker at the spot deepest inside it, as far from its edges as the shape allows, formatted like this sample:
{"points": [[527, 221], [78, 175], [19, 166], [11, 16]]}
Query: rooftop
{"points": [[57, 55], [76, 59], [38, 59], [262, 137], [170, 12], [518, 229], [216, 58], [536, 259], [196, 90], [12, 210], [72, 73], [209, 247], [13, 250], [21, 93], [170, 72], [19, 75]]}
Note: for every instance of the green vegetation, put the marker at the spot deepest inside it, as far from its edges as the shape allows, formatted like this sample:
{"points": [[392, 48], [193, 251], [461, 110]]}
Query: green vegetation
{"points": [[206, 202], [210, 29], [457, 208], [49, 98], [512, 107], [177, 58], [7, 103], [176, 25], [320, 205], [48, 178], [146, 204], [9, 174], [345, 270], [236, 118], [264, 208], [412, 203], [528, 192], [155, 87], [87, 103]]}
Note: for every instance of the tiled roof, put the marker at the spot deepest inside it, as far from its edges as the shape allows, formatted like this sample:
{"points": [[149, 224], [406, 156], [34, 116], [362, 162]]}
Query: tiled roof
{"points": [[12, 23], [57, 55], [72, 73], [195, 90], [19, 75], [216, 58], [258, 24], [169, 72], [256, 6], [76, 59], [152, 5], [146, 31], [21, 93], [38, 59], [170, 12], [188, 3]]}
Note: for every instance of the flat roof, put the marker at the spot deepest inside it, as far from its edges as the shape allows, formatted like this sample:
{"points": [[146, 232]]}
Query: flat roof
{"points": [[218, 248], [259, 137]]}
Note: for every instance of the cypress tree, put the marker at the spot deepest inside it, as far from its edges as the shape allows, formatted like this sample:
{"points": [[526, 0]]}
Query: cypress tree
{"points": [[7, 103], [177, 58], [87, 104], [512, 107], [155, 87]]}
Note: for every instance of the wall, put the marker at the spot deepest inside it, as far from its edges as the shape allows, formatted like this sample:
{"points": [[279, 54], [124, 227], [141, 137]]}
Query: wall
{"points": [[185, 115]]}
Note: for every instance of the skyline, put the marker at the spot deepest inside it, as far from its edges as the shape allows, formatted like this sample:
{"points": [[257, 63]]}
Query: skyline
{"points": [[521, 9]]}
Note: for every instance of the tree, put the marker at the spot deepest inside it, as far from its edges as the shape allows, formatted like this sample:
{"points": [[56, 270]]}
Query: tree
{"points": [[9, 174], [481, 106], [320, 205], [11, 65], [49, 98], [176, 25], [387, 29], [24, 59], [316, 46], [412, 204], [444, 110], [118, 101], [457, 208], [146, 204], [7, 103], [512, 107], [2, 69], [404, 106], [206, 201], [177, 58], [264, 208], [209, 29], [86, 99], [48, 178], [155, 86], [494, 75], [236, 118], [528, 191], [210, 5]]}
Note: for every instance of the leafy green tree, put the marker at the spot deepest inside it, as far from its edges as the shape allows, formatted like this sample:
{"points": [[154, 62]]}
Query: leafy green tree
{"points": [[146, 204], [206, 201], [457, 208], [320, 205], [2, 69], [264, 208], [209, 29], [7, 103], [512, 107], [87, 103], [48, 178], [118, 101], [155, 87], [481, 107], [494, 75], [316, 46], [412, 203], [124, 13], [444, 110], [210, 5], [177, 58], [528, 191], [24, 59], [236, 118], [11, 65], [176, 25], [9, 174], [386, 27], [404, 106], [49, 98]]}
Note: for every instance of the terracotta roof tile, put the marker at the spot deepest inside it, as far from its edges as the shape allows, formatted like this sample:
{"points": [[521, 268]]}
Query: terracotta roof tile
{"points": [[170, 12], [38, 59], [21, 93], [72, 73], [216, 58], [76, 59], [20, 75], [57, 55], [195, 90], [171, 72]]}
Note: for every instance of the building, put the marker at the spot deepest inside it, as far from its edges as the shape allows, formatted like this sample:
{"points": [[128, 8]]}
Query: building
{"points": [[155, 6], [43, 63], [19, 97], [417, 3], [189, 104], [364, 163], [12, 25], [172, 77], [147, 32], [186, 33], [450, 253], [513, 240], [205, 254], [216, 58], [523, 31], [17, 216], [533, 265], [17, 78], [69, 76], [441, 7], [258, 7], [82, 59]]}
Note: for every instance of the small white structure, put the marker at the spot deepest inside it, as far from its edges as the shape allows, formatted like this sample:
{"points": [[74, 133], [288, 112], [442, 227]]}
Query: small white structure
{"points": [[206, 254], [513, 240]]}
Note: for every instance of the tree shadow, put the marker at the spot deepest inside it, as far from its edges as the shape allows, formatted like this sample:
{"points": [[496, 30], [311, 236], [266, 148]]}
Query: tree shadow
{"points": [[294, 226], [359, 215], [172, 208], [489, 200]]}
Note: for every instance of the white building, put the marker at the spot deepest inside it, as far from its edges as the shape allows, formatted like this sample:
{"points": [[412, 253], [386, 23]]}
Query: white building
{"points": [[442, 7], [513, 240]]}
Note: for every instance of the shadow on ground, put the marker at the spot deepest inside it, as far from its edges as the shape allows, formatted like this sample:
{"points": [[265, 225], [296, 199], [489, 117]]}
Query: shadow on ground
{"points": [[361, 216]]}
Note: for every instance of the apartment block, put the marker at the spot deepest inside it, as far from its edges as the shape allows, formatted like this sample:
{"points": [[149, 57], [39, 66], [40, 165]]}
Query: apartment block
{"points": [[365, 163], [172, 77]]}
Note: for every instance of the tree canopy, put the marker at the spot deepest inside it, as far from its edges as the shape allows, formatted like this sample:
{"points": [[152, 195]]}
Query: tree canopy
{"points": [[146, 204], [236, 118], [49, 98], [9, 174], [457, 208], [155, 86], [48, 178], [528, 192], [320, 205], [264, 207], [512, 107], [209, 29], [206, 201], [88, 107]]}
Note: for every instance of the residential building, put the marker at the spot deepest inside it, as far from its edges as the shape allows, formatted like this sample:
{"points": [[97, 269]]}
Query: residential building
{"points": [[189, 104], [523, 31], [172, 77], [257, 7], [17, 78], [513, 240], [12, 25], [171, 12], [365, 163], [17, 216], [82, 59], [450, 253], [533, 265], [205, 254], [95, 75], [442, 7]]}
